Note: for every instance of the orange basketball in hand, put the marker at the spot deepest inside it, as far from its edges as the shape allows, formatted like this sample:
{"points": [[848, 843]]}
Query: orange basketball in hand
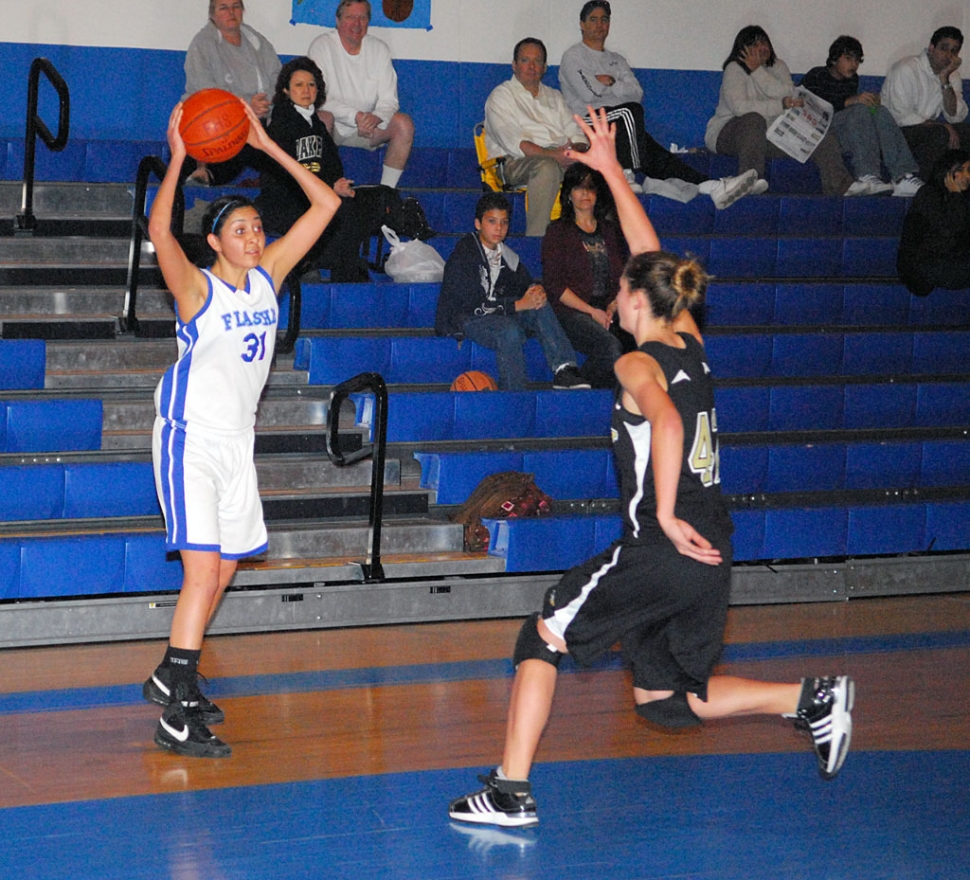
{"points": [[214, 125], [474, 380]]}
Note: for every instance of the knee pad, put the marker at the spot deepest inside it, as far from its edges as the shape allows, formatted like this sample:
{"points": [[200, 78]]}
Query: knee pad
{"points": [[532, 646], [674, 712]]}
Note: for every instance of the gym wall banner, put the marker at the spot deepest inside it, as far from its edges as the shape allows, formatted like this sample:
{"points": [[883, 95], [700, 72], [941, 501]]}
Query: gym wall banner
{"points": [[385, 13]]}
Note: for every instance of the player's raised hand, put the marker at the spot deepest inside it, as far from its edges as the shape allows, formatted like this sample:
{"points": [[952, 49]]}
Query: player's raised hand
{"points": [[601, 154]]}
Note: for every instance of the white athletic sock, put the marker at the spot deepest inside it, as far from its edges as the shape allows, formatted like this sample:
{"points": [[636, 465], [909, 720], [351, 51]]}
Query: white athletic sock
{"points": [[390, 176]]}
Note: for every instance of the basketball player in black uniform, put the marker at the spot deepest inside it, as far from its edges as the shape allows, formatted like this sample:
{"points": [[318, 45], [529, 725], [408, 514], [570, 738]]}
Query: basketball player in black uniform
{"points": [[662, 590]]}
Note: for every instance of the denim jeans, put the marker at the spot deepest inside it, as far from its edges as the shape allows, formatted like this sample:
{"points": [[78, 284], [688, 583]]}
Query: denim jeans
{"points": [[867, 133], [599, 345], [506, 335]]}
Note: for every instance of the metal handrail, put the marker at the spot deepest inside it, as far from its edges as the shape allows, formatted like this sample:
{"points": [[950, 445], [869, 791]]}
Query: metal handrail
{"points": [[286, 344], [26, 222], [139, 230], [373, 570]]}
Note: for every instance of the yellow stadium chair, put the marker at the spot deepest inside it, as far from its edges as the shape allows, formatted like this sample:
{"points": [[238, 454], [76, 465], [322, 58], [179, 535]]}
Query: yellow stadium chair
{"points": [[492, 170]]}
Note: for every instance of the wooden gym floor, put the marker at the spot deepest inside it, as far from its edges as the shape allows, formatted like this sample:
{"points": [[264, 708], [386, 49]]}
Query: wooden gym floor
{"points": [[348, 744]]}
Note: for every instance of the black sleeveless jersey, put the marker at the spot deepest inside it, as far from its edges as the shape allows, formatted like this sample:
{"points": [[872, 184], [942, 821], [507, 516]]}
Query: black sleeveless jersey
{"points": [[699, 501]]}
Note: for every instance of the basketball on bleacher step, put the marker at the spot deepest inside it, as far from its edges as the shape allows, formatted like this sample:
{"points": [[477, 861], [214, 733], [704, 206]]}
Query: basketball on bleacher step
{"points": [[474, 380], [214, 125]]}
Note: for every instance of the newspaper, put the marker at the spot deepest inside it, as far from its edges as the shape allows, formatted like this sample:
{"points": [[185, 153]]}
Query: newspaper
{"points": [[798, 130]]}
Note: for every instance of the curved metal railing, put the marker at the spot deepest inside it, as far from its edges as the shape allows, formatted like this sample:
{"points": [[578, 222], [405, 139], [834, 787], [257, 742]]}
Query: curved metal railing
{"points": [[139, 231], [374, 382], [26, 222]]}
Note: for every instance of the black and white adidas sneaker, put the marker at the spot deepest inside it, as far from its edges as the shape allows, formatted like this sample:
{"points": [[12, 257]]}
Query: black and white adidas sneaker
{"points": [[182, 730], [505, 802], [825, 710]]}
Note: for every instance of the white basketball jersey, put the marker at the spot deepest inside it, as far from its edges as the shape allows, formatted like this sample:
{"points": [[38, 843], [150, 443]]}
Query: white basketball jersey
{"points": [[225, 353]]}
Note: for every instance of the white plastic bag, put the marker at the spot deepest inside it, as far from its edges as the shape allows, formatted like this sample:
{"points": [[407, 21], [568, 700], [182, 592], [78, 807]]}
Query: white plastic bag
{"points": [[412, 261]]}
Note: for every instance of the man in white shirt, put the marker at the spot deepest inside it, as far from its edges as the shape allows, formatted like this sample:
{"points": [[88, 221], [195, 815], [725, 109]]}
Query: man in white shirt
{"points": [[529, 123], [592, 76], [920, 89], [362, 108]]}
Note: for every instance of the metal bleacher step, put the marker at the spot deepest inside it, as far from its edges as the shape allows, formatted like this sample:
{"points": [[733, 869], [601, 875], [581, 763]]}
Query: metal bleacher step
{"points": [[132, 363]]}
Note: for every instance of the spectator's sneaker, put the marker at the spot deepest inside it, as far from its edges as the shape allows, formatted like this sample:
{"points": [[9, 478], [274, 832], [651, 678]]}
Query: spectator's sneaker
{"points": [[182, 730], [631, 179], [504, 802], [907, 186], [760, 187], [858, 188], [158, 689], [568, 378], [726, 191], [876, 186], [825, 709]]}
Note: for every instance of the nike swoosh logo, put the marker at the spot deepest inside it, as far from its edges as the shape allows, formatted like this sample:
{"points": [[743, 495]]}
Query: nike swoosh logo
{"points": [[680, 377], [181, 735]]}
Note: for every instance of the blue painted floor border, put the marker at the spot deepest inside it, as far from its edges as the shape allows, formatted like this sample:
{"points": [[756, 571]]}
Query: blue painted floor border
{"points": [[888, 816], [334, 679]]}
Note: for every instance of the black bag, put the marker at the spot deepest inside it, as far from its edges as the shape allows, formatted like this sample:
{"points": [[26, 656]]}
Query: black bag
{"points": [[385, 207]]}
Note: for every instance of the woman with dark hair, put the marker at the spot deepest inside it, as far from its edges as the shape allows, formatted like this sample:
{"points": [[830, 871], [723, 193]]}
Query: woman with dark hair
{"points": [[756, 88], [295, 126], [583, 253], [662, 589], [934, 248], [203, 436]]}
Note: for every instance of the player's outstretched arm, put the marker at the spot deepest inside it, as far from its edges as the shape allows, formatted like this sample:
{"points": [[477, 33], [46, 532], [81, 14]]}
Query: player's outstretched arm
{"points": [[184, 279], [284, 253], [601, 155]]}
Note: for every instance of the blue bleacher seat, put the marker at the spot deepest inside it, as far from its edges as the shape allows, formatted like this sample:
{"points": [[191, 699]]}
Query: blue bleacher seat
{"points": [[809, 257], [417, 359], [947, 526], [738, 304], [818, 215], [874, 216], [748, 217], [869, 256], [942, 403], [9, 569], [573, 413], [23, 363], [893, 464], [744, 469], [422, 302], [741, 257], [804, 533], [894, 528], [368, 305], [742, 408], [806, 354], [71, 566], [147, 569], [945, 463], [805, 467], [32, 492], [867, 303], [884, 354], [942, 352], [880, 405], [804, 303], [107, 489], [489, 415], [454, 475], [732, 356], [52, 425], [806, 407]]}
